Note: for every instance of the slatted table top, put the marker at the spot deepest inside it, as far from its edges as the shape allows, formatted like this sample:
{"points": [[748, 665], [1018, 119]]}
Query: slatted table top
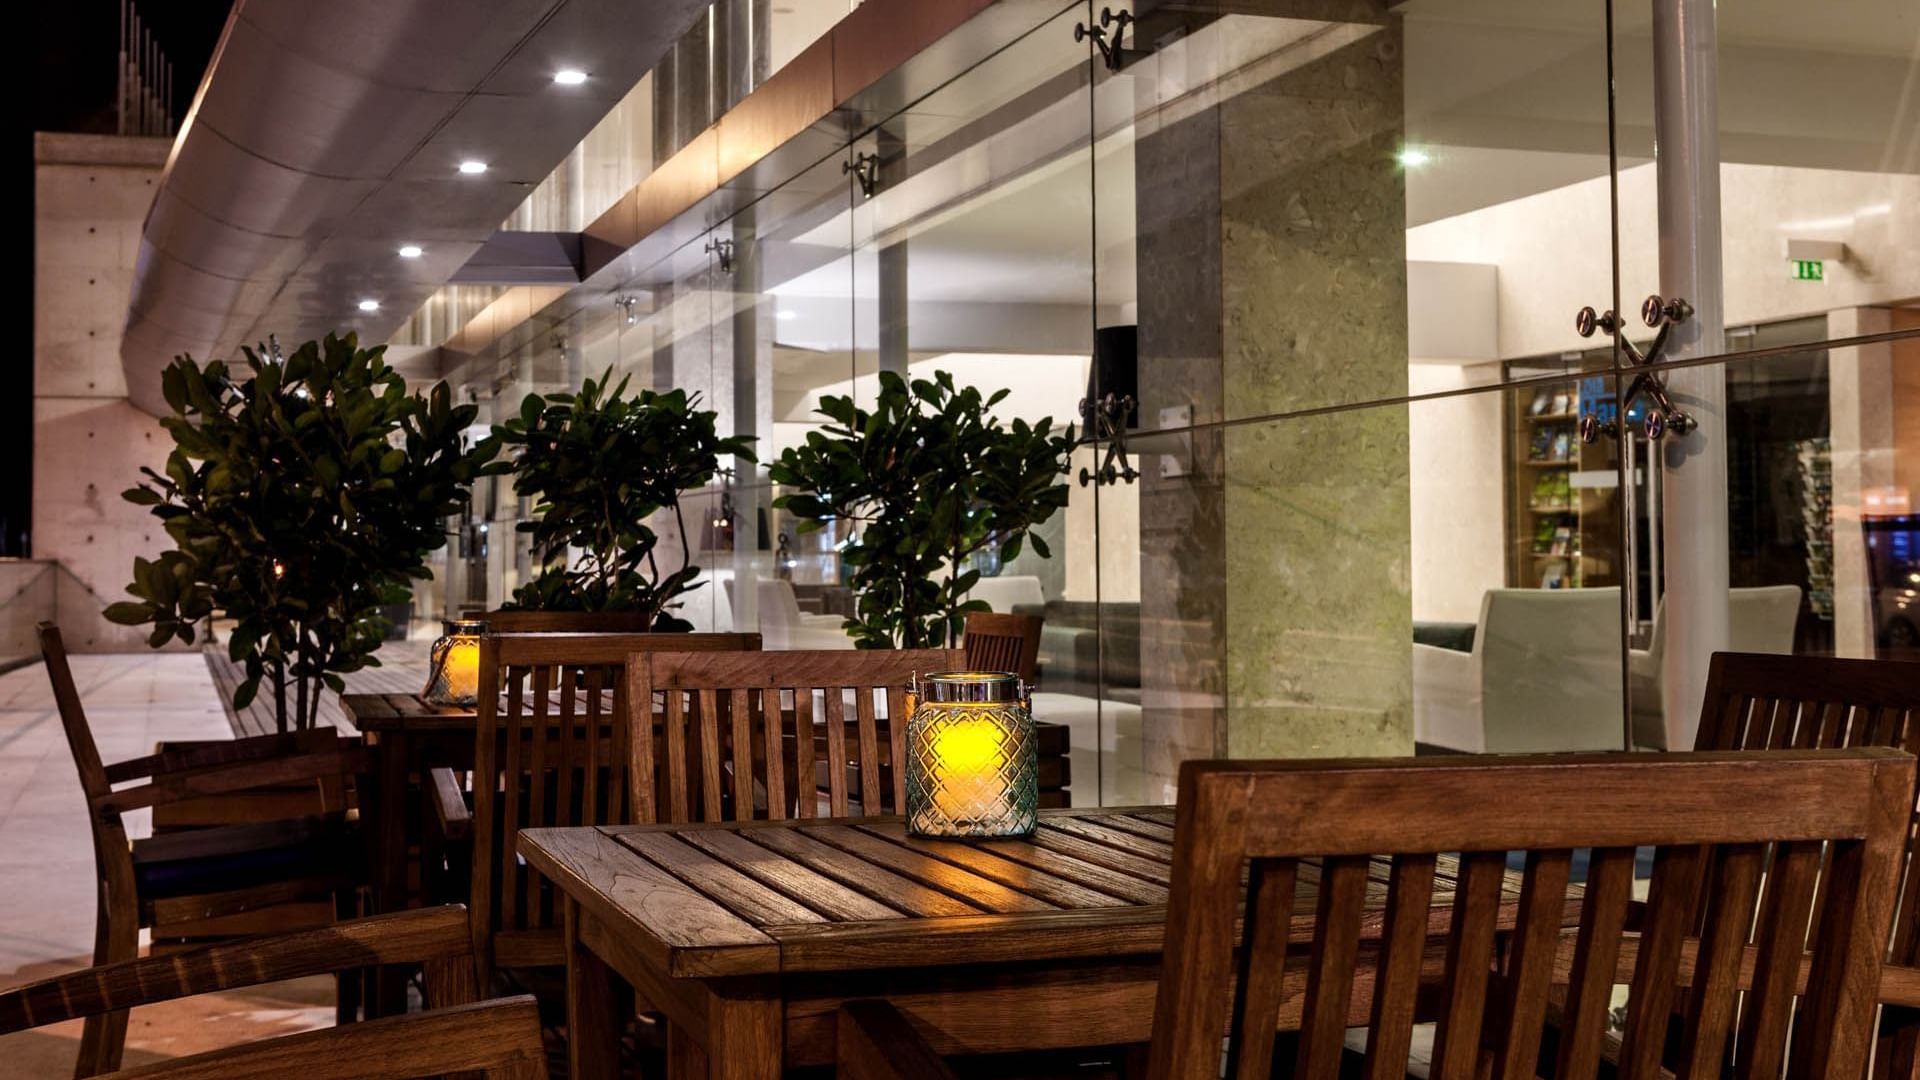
{"points": [[856, 894]]}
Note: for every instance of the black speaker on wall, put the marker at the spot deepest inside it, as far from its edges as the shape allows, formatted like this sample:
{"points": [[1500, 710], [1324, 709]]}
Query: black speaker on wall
{"points": [[1116, 371]]}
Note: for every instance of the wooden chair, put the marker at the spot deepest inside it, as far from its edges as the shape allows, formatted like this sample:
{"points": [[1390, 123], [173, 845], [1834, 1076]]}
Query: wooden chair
{"points": [[1248, 832], [497, 1039], [996, 642], [565, 622], [552, 746], [205, 880], [494, 1040], [726, 721], [1758, 701]]}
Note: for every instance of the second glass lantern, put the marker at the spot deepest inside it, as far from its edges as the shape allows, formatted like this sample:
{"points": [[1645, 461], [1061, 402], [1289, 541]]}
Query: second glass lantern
{"points": [[453, 673]]}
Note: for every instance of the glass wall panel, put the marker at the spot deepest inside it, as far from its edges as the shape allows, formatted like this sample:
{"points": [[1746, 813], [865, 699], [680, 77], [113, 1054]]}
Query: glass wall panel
{"points": [[1823, 449], [790, 310], [1819, 149]]}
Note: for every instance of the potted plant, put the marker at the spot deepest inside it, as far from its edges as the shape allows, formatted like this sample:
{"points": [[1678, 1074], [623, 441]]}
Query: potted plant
{"points": [[301, 495], [598, 464], [929, 478]]}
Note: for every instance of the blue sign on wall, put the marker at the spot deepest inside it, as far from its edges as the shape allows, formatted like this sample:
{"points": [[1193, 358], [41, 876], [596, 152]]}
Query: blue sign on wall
{"points": [[1596, 400]]}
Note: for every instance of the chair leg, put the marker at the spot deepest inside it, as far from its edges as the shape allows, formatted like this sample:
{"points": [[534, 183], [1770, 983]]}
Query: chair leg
{"points": [[347, 984], [103, 1038]]}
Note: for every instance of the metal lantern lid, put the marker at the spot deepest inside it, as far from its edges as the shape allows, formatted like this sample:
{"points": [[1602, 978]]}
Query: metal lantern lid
{"points": [[971, 687], [463, 627]]}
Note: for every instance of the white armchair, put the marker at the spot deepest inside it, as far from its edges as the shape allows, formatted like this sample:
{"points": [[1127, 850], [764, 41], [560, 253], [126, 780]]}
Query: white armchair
{"points": [[1544, 675], [1005, 592], [784, 626], [1759, 620]]}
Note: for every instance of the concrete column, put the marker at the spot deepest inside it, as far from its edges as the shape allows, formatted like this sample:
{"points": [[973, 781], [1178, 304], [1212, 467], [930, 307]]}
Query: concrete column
{"points": [[1693, 502], [1860, 402], [895, 339]]}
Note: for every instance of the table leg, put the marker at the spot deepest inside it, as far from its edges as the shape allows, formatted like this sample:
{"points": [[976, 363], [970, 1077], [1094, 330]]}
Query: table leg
{"points": [[593, 1025], [744, 1033], [389, 876]]}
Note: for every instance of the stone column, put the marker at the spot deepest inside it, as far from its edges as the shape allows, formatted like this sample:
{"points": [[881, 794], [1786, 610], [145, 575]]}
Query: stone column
{"points": [[1275, 564]]}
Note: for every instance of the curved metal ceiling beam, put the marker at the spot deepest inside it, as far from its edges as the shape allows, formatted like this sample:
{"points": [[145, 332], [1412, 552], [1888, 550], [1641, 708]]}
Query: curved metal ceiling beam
{"points": [[324, 136]]}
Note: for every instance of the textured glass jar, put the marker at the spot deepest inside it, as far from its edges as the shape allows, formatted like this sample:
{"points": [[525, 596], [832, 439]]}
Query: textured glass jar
{"points": [[453, 672], [972, 767]]}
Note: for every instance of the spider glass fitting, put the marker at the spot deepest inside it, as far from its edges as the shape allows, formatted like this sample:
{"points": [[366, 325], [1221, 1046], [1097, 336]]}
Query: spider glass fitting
{"points": [[866, 170], [1111, 49], [723, 252], [1662, 415], [1110, 426]]}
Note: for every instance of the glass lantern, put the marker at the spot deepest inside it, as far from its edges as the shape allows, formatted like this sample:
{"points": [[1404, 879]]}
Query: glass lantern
{"points": [[972, 762], [453, 673]]}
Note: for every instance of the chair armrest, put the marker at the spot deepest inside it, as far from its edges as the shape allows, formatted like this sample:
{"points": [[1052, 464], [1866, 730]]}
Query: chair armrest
{"points": [[1446, 698], [425, 935], [204, 755], [499, 1038], [347, 758], [875, 1042], [450, 807]]}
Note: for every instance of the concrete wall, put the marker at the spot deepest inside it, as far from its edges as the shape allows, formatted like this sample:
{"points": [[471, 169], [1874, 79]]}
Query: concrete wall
{"points": [[92, 194]]}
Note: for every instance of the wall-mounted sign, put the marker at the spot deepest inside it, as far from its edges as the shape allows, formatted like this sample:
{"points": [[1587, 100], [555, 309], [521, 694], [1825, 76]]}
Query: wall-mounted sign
{"points": [[1808, 269]]}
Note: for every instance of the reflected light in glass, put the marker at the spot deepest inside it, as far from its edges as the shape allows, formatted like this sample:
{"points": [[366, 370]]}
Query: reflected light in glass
{"points": [[569, 77], [369, 305], [411, 251], [473, 168], [1412, 157]]}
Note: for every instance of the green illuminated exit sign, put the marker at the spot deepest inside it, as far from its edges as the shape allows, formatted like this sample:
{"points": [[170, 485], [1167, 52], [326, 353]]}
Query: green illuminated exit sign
{"points": [[1808, 270]]}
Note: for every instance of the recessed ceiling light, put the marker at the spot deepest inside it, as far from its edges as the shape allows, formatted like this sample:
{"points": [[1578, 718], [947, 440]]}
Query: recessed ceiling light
{"points": [[569, 76], [411, 251], [369, 305], [473, 168], [1413, 157]]}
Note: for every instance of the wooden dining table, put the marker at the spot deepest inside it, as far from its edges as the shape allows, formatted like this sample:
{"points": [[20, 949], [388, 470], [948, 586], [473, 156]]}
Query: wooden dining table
{"points": [[748, 936]]}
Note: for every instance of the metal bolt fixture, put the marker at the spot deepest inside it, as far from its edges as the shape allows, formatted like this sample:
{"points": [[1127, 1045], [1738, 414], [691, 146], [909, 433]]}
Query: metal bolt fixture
{"points": [[1107, 36], [1663, 416]]}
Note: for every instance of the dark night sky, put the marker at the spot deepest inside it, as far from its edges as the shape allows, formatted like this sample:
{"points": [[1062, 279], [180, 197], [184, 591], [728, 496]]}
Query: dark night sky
{"points": [[78, 44]]}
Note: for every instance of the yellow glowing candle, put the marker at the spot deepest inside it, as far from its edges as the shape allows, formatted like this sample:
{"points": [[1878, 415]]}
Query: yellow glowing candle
{"points": [[970, 751], [972, 768], [454, 675]]}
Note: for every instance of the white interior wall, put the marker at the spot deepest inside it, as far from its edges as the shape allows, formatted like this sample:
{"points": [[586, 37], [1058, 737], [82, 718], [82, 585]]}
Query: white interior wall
{"points": [[1455, 472], [1551, 248]]}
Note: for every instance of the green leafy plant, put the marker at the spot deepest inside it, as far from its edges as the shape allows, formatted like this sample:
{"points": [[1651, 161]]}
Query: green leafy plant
{"points": [[598, 464], [301, 495], [929, 478]]}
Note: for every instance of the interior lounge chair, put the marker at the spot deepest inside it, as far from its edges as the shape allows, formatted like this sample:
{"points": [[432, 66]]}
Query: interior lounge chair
{"points": [[1543, 676], [1759, 620]]}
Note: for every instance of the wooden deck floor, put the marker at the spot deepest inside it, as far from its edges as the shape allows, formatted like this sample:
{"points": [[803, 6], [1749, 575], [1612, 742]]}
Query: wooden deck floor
{"points": [[403, 670]]}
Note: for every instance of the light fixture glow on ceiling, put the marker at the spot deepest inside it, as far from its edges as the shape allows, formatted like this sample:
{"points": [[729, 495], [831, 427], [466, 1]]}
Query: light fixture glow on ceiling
{"points": [[473, 168], [569, 76], [369, 305], [411, 251], [1412, 157]]}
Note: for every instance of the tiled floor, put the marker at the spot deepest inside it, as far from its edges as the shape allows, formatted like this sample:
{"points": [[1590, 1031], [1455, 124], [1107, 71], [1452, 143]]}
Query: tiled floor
{"points": [[46, 855]]}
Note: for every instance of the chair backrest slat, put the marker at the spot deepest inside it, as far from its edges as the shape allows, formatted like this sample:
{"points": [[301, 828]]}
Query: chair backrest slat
{"points": [[1403, 945], [734, 748], [995, 641], [1719, 823], [1596, 955], [553, 742]]}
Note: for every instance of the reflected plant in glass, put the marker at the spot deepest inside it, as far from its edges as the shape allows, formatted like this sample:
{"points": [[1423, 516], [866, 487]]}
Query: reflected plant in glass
{"points": [[597, 465], [928, 478]]}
